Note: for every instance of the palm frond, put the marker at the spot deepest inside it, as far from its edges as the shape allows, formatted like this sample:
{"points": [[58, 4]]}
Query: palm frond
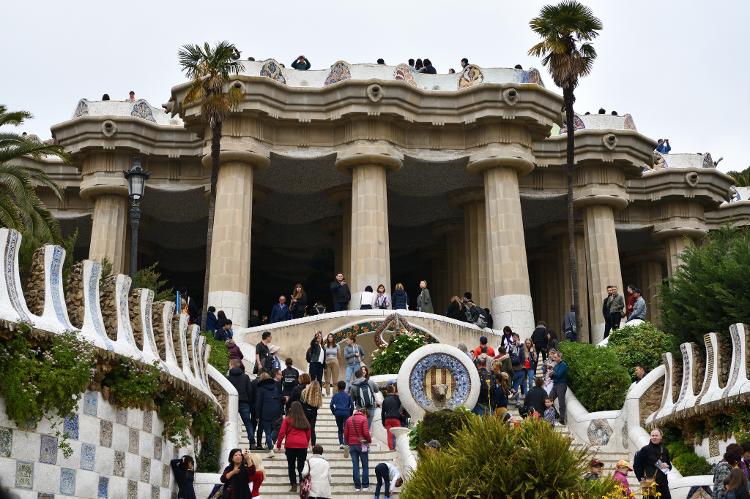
{"points": [[13, 118]]}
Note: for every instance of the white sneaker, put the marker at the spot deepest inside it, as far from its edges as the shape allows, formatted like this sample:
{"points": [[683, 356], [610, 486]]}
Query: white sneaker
{"points": [[271, 453], [357, 490], [341, 446]]}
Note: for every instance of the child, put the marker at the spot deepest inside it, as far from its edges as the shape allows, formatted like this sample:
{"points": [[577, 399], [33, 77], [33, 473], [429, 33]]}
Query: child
{"points": [[499, 394], [621, 476], [595, 470], [550, 414], [342, 407]]}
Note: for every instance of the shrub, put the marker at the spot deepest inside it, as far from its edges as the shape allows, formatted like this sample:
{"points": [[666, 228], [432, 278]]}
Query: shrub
{"points": [[492, 460], [596, 376], [132, 384], [690, 464], [149, 277], [640, 345], [209, 430], [441, 426], [219, 356], [389, 360]]}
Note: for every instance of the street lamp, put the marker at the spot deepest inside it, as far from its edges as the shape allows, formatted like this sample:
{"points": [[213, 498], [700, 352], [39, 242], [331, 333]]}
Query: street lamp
{"points": [[136, 178]]}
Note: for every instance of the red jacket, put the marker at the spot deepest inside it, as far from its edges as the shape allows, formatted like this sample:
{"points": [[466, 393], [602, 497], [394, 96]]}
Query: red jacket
{"points": [[356, 429], [478, 351], [295, 438]]}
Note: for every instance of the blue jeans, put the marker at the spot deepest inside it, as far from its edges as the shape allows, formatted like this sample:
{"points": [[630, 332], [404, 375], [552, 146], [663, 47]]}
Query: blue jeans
{"points": [[340, 420], [529, 379], [381, 473], [244, 410], [357, 455], [481, 410], [350, 370], [268, 430], [518, 377]]}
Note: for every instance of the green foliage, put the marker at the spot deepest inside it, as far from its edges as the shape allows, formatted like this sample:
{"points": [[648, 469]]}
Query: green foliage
{"points": [[219, 356], [133, 384], [711, 290], [106, 270], [683, 456], [172, 410], [595, 375], [441, 426], [389, 360], [149, 277], [640, 345], [492, 460], [44, 377], [204, 426], [741, 178]]}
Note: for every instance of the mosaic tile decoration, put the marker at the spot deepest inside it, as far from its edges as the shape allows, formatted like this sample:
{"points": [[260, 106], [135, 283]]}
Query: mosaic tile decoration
{"points": [[145, 469], [339, 72], [165, 471], [121, 416], [154, 492], [6, 441], [103, 487], [11, 249], [93, 301], [71, 426], [48, 449], [58, 304], [141, 109], [90, 403], [105, 433], [118, 467], [88, 457], [133, 440], [460, 390], [24, 475], [272, 69], [157, 447], [148, 421], [67, 481], [132, 489], [599, 432], [44, 495]]}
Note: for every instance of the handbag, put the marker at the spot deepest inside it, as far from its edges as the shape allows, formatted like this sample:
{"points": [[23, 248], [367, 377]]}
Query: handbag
{"points": [[648, 484], [305, 485], [218, 492]]}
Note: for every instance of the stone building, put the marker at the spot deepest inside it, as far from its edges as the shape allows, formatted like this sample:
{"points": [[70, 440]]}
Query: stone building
{"points": [[389, 176]]}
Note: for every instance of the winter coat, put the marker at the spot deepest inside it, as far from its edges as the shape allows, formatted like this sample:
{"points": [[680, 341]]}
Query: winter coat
{"points": [[268, 401], [622, 481], [340, 292], [539, 337], [320, 475], [243, 385], [184, 480], [342, 404], [535, 399], [356, 429], [239, 484], [424, 302], [400, 300], [295, 438], [391, 408], [279, 313], [235, 352]]}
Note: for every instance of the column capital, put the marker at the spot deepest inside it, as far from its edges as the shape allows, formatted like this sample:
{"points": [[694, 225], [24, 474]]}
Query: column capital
{"points": [[255, 159], [600, 184], [514, 156], [369, 155], [690, 228], [99, 183], [461, 197]]}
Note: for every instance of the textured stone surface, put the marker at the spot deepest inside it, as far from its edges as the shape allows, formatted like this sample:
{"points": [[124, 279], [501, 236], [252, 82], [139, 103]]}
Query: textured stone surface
{"points": [[34, 288], [118, 467], [67, 481], [74, 295], [108, 230], [88, 456], [24, 474], [105, 433], [109, 306], [6, 442]]}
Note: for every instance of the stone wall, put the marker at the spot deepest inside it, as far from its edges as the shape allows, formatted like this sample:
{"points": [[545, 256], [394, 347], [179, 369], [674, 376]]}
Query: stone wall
{"points": [[651, 400], [34, 289]]}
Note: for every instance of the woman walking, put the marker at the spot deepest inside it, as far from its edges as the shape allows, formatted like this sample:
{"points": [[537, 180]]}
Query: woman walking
{"points": [[238, 475], [353, 354], [295, 433], [299, 302], [184, 474], [400, 298], [332, 364], [381, 299], [424, 301], [530, 363], [312, 400], [303, 381], [316, 357], [732, 458]]}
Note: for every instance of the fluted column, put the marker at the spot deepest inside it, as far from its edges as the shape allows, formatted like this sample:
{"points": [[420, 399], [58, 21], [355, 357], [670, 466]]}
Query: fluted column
{"points": [[682, 222], [674, 247], [229, 277], [475, 243], [650, 279], [448, 233], [342, 196]]}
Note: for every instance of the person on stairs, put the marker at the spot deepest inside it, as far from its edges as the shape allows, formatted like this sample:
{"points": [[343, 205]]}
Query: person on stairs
{"points": [[246, 397], [353, 354], [269, 407], [238, 475], [358, 438], [331, 364], [320, 474], [258, 477], [295, 433], [312, 400], [387, 474], [363, 392], [342, 408], [391, 415]]}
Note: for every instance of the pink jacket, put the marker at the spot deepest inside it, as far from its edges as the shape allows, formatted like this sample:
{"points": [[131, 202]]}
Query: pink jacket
{"points": [[623, 481]]}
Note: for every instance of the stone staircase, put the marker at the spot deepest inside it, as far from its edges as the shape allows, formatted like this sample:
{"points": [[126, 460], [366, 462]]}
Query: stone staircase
{"points": [[276, 484]]}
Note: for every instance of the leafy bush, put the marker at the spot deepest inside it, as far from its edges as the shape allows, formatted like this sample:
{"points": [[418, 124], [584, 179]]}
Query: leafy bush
{"points": [[389, 360], [711, 290], [441, 426], [132, 384], [492, 460], [149, 277], [640, 345], [204, 426], [690, 464], [219, 356], [172, 411], [595, 375]]}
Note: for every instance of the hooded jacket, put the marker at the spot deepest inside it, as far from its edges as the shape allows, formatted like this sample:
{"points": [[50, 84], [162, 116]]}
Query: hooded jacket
{"points": [[268, 401], [400, 300], [243, 385]]}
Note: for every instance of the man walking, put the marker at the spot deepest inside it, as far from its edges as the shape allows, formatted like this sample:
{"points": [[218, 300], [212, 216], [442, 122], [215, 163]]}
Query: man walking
{"points": [[340, 293], [539, 338], [246, 397], [262, 351], [559, 383], [612, 309]]}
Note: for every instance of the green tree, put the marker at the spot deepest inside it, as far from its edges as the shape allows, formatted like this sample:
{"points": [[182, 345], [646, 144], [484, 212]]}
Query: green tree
{"points": [[741, 179], [20, 207], [567, 30], [711, 289], [210, 69]]}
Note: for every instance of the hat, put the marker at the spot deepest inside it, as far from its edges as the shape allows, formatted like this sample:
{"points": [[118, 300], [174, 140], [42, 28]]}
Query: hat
{"points": [[433, 443], [623, 464], [273, 348], [595, 463]]}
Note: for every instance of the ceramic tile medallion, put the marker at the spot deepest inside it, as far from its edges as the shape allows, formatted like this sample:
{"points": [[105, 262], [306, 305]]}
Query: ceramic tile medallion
{"points": [[132, 489], [148, 421], [272, 69], [6, 441], [103, 487], [133, 440], [339, 72], [599, 432], [71, 426], [67, 481], [48, 449], [88, 457], [24, 475], [118, 467], [404, 72], [105, 433], [470, 76], [141, 109], [145, 469], [90, 403]]}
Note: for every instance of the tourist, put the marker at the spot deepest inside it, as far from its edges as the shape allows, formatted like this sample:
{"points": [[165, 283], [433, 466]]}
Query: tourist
{"points": [[302, 382], [483, 348], [255, 420], [569, 325], [745, 462], [476, 315], [614, 113], [268, 407], [428, 68], [131, 96], [535, 397], [621, 477], [221, 318], [105, 97], [735, 485], [357, 437], [639, 307], [529, 363], [316, 357], [464, 349], [238, 475], [552, 341], [482, 406], [559, 383], [301, 63], [400, 298], [184, 474], [388, 475], [341, 407], [280, 311], [418, 65], [245, 396], [212, 323], [381, 61], [381, 299], [411, 63], [254, 320], [451, 71], [259, 476], [539, 338], [225, 332], [517, 360], [498, 394], [298, 307], [502, 362], [663, 147], [550, 414], [732, 458], [507, 339], [363, 394], [331, 349], [289, 380], [488, 316], [295, 433], [189, 307], [629, 299], [518, 66], [353, 355], [464, 62], [272, 361], [424, 301], [602, 111], [312, 400], [234, 352], [390, 414], [366, 299], [652, 461], [595, 470], [612, 309], [320, 474], [340, 293], [374, 388], [455, 310], [640, 372]]}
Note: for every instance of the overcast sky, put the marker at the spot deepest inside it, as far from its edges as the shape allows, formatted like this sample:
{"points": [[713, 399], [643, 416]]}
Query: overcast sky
{"points": [[680, 68]]}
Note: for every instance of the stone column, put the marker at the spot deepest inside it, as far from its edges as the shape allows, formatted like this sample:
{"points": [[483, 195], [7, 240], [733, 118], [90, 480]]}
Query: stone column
{"points": [[342, 196], [475, 243], [682, 222], [508, 273], [674, 246], [448, 232], [229, 278], [650, 279], [370, 247]]}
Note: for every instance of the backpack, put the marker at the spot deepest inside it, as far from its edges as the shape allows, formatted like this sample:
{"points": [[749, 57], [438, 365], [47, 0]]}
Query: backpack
{"points": [[365, 397], [515, 356], [268, 364], [480, 317]]}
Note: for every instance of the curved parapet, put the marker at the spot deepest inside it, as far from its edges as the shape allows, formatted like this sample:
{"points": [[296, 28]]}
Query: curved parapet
{"points": [[231, 412], [182, 338], [203, 359], [194, 339], [687, 392], [711, 390], [55, 310], [125, 343], [93, 323], [167, 311], [12, 302], [667, 399], [738, 381], [144, 300]]}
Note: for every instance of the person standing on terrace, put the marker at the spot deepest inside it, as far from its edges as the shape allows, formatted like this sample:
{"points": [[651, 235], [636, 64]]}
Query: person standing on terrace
{"points": [[301, 63]]}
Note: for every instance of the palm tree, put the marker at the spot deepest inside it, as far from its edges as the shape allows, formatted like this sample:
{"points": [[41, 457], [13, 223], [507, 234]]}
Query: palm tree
{"points": [[566, 30], [20, 207], [210, 69], [742, 178]]}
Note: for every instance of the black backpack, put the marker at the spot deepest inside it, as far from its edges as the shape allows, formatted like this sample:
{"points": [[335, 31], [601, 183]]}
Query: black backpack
{"points": [[365, 397]]}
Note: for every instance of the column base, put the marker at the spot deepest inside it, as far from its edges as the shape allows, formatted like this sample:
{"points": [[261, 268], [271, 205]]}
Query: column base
{"points": [[516, 311], [233, 303], [597, 332]]}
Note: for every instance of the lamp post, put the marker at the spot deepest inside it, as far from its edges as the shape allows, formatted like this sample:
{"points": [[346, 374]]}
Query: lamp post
{"points": [[136, 178]]}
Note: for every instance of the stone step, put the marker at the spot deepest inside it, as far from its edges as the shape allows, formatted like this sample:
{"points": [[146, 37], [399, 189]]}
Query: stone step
{"points": [[340, 488]]}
